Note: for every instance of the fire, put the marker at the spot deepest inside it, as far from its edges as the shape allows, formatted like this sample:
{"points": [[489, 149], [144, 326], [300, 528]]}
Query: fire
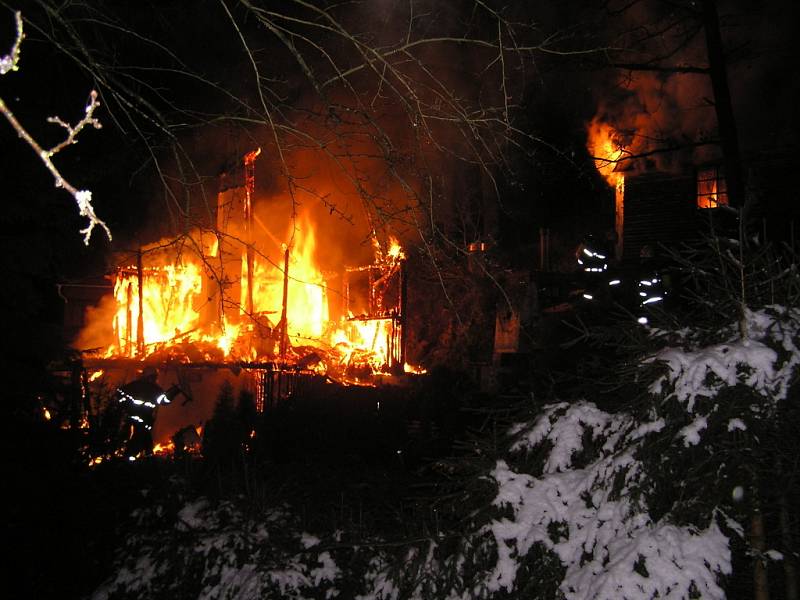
{"points": [[307, 308], [166, 448], [372, 337], [279, 309], [711, 189], [395, 251], [169, 295], [606, 148]]}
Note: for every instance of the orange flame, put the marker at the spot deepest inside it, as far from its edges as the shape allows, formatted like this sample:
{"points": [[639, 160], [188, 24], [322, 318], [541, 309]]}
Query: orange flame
{"points": [[307, 309], [177, 307], [606, 148], [169, 295]]}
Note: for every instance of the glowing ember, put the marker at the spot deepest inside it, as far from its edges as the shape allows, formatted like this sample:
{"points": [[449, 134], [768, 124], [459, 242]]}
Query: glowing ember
{"points": [[164, 449]]}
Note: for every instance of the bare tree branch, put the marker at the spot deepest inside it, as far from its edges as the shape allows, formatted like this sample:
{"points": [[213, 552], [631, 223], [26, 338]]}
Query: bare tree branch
{"points": [[83, 198]]}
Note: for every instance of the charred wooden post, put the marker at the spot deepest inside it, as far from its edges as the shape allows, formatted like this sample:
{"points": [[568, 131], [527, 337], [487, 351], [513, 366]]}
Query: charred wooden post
{"points": [[76, 395], [619, 218], [249, 189], [128, 320], [371, 292], [140, 318], [249, 306], [403, 317], [284, 319], [346, 293]]}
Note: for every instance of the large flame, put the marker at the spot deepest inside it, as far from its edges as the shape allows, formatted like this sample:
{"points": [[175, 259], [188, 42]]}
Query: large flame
{"points": [[169, 295], [307, 306], [606, 148], [177, 305]]}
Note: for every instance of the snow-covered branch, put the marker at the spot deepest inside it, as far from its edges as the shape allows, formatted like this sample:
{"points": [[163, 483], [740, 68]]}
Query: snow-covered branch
{"points": [[83, 198]]}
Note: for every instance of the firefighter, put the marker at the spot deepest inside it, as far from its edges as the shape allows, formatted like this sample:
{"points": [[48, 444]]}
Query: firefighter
{"points": [[140, 400], [592, 258], [652, 286]]}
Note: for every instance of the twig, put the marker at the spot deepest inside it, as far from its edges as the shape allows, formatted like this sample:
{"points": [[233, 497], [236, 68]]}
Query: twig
{"points": [[83, 198]]}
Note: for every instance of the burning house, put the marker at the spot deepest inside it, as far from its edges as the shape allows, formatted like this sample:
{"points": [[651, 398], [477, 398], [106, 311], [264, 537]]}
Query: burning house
{"points": [[240, 303]]}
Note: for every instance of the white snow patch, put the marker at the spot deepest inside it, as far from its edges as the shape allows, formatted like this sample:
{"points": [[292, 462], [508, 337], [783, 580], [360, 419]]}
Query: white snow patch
{"points": [[188, 515], [327, 571], [735, 424], [691, 433]]}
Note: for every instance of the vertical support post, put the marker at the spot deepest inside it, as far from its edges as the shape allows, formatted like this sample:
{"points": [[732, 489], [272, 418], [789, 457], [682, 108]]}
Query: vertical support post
{"points": [[140, 318], [250, 280], [128, 320], [403, 319], [284, 319], [541, 248], [249, 190], [346, 293], [248, 227], [76, 395], [544, 249], [619, 217], [371, 296]]}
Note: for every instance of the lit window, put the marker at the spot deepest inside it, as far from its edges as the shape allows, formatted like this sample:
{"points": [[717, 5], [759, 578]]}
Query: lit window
{"points": [[712, 191]]}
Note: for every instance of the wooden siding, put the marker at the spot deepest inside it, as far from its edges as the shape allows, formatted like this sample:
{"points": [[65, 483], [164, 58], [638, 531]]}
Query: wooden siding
{"points": [[659, 209]]}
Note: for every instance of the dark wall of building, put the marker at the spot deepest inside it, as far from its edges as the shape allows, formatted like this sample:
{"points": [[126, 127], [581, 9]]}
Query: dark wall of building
{"points": [[659, 209]]}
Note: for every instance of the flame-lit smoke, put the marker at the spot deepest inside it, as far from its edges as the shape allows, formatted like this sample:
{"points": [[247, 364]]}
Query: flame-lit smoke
{"points": [[662, 119]]}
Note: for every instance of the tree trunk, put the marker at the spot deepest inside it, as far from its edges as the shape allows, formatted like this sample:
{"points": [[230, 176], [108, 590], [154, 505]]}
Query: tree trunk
{"points": [[723, 107], [789, 562], [758, 543]]}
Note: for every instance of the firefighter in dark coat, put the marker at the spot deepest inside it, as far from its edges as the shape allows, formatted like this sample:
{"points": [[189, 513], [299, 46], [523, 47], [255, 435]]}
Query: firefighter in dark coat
{"points": [[592, 257], [140, 400]]}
